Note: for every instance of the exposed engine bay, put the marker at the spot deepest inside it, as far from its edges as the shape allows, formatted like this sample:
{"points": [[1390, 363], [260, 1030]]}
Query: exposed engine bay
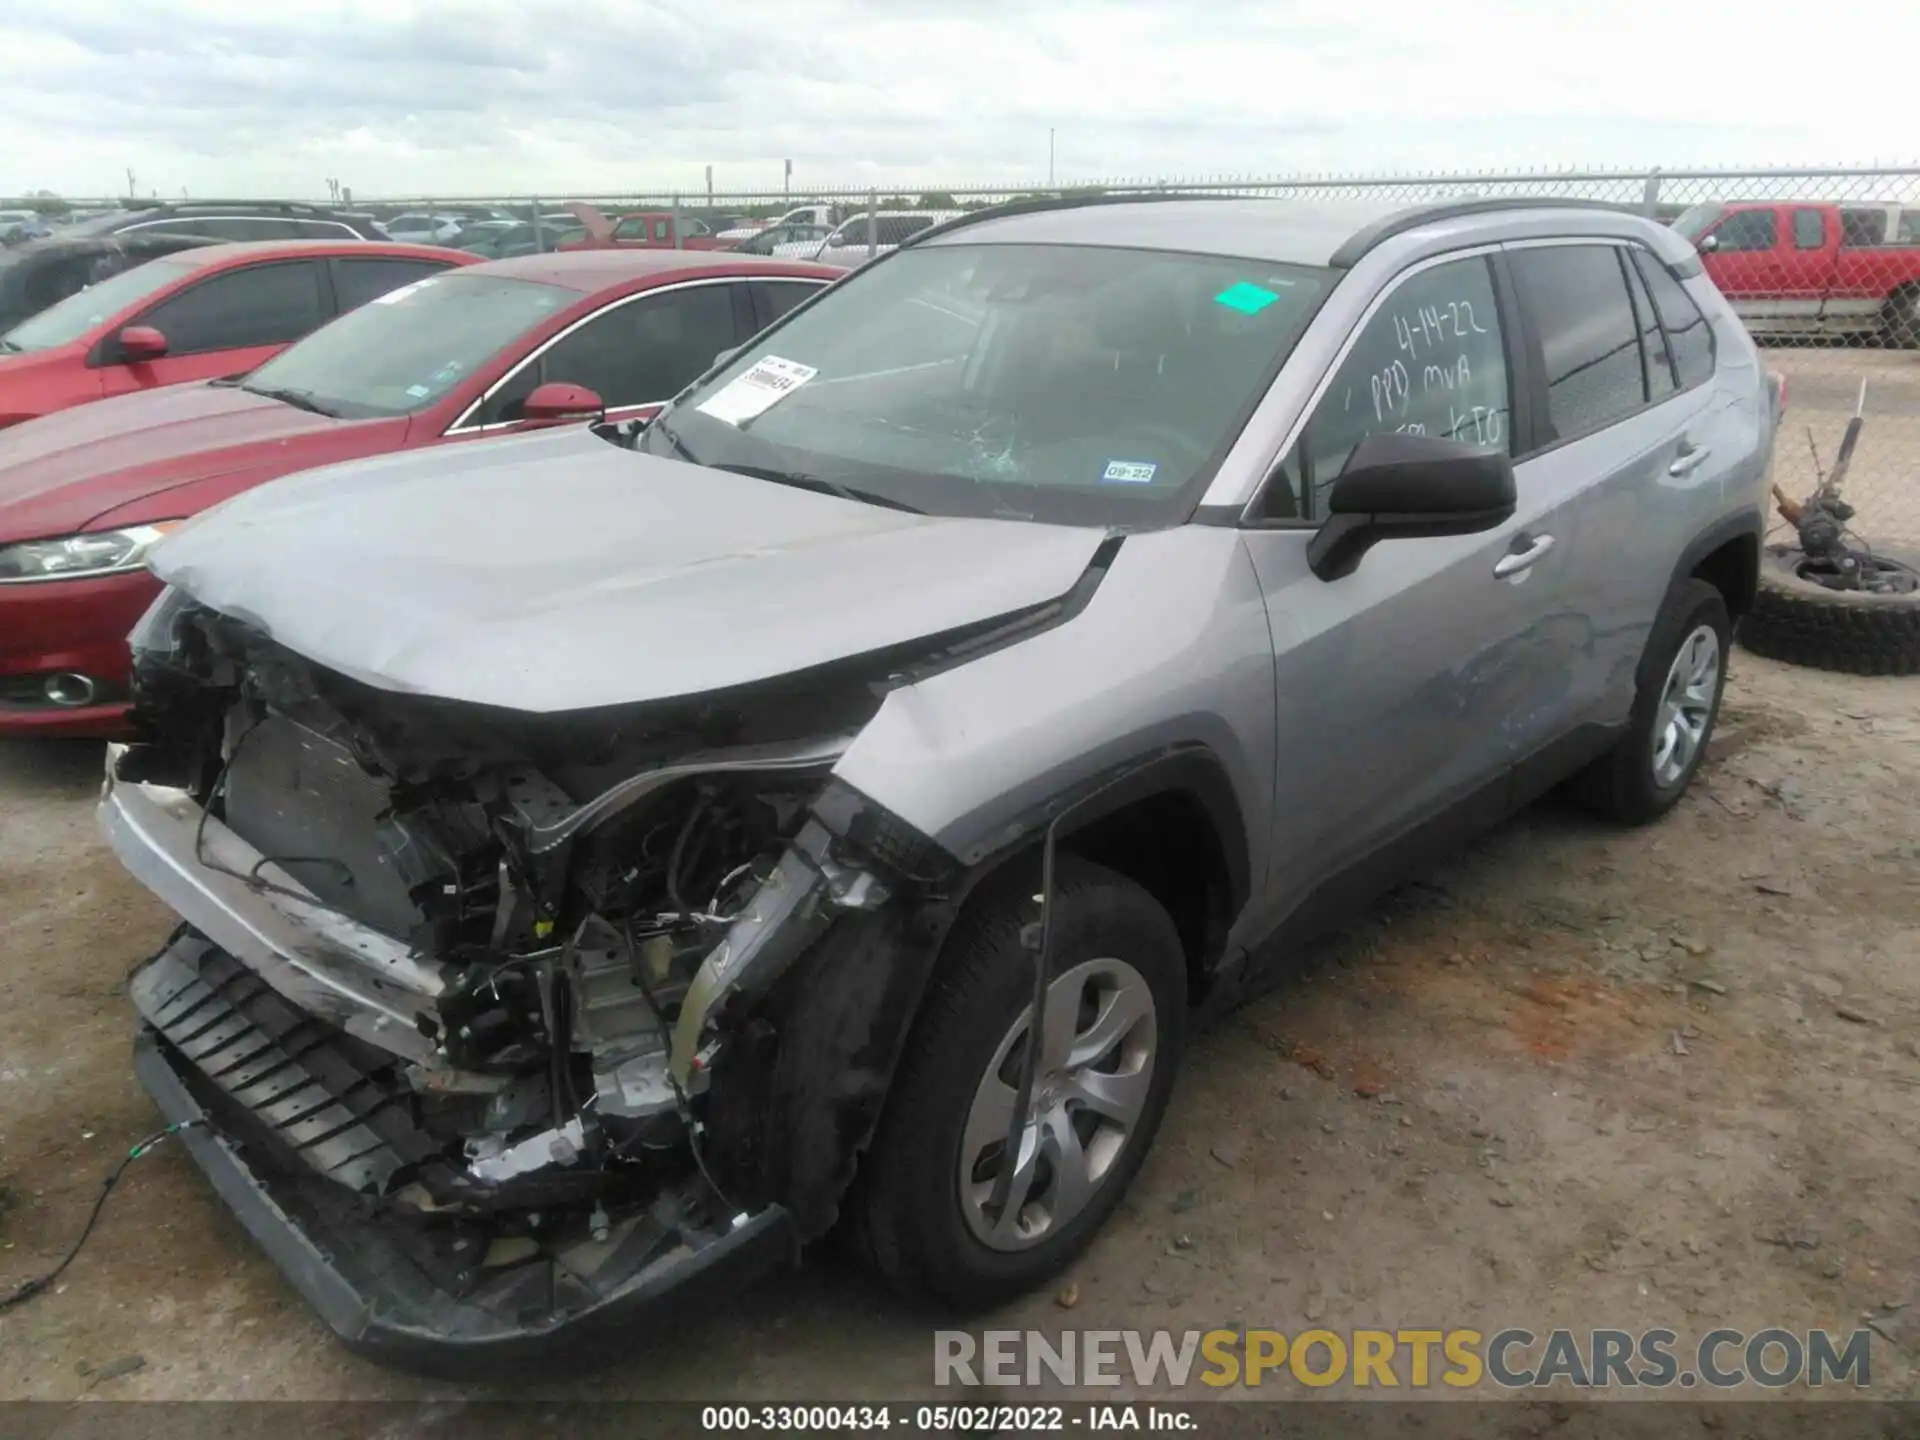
{"points": [[481, 970]]}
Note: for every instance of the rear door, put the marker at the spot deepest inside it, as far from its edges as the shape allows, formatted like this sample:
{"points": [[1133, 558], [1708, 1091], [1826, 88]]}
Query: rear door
{"points": [[1869, 266], [635, 354], [225, 324], [1621, 469]]}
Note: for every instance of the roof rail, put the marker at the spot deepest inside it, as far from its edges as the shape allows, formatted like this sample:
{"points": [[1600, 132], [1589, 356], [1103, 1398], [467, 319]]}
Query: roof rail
{"points": [[1400, 221], [190, 207], [1044, 203]]}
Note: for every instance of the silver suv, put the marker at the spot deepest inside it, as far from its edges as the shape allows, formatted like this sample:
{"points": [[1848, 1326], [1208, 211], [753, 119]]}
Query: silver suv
{"points": [[617, 856]]}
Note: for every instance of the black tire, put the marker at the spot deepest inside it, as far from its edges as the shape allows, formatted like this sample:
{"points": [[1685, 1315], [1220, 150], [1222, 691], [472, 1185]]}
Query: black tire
{"points": [[1902, 320], [1621, 785], [1857, 633], [908, 1219]]}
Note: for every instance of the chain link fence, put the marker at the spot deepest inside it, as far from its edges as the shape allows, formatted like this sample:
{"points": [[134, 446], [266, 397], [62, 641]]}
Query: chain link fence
{"points": [[1823, 265]]}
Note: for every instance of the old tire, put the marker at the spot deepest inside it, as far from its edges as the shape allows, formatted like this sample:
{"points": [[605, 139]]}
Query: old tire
{"points": [[1804, 623], [1674, 708], [915, 1220]]}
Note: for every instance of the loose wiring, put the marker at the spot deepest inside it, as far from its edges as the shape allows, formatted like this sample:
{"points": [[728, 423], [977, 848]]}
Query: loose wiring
{"points": [[27, 1289]]}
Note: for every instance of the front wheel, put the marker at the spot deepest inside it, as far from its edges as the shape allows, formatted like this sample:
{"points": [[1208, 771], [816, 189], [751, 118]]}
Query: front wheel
{"points": [[932, 1219]]}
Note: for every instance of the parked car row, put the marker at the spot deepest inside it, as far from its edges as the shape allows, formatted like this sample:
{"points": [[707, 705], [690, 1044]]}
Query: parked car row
{"points": [[822, 789], [413, 359]]}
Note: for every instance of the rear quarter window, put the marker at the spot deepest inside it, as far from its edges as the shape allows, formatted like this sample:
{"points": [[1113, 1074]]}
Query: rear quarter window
{"points": [[1589, 342], [1688, 333]]}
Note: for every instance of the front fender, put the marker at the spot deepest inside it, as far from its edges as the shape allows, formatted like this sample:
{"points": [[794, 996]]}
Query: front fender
{"points": [[1170, 655]]}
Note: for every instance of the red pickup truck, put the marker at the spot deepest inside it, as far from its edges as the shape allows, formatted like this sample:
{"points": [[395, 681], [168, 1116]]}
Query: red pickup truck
{"points": [[1805, 268], [648, 230]]}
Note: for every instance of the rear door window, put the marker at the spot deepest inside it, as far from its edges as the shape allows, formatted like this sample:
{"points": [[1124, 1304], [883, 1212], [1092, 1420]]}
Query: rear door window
{"points": [[776, 297], [642, 352], [1863, 229], [1589, 342], [357, 281], [238, 309], [1687, 331], [1809, 229]]}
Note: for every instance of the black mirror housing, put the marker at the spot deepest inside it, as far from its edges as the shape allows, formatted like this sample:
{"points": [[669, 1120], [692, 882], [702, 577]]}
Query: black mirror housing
{"points": [[1405, 486]]}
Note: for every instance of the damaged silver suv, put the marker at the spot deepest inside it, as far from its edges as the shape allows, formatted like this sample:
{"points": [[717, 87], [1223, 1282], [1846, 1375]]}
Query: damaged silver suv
{"points": [[613, 858]]}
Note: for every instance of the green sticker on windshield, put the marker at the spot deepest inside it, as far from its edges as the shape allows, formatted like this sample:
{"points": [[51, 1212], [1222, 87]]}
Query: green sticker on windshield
{"points": [[1246, 297]]}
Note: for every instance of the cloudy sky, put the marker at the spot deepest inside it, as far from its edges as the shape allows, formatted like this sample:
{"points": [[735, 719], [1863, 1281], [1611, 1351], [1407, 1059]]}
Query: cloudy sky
{"points": [[263, 97]]}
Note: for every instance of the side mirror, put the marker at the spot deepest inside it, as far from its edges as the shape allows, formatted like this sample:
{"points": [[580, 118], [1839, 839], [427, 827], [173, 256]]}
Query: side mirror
{"points": [[558, 401], [142, 342], [1708, 244], [1404, 486]]}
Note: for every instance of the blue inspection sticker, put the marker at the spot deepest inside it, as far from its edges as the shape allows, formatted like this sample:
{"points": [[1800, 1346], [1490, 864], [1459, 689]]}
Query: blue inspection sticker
{"points": [[1246, 297], [1129, 472]]}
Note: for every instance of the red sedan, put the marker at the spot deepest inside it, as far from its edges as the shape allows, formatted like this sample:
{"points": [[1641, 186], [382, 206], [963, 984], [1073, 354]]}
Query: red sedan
{"points": [[191, 316], [482, 351]]}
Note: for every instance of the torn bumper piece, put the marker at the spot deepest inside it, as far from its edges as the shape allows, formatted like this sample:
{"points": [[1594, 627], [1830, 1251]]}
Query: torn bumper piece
{"points": [[386, 1294], [365, 981]]}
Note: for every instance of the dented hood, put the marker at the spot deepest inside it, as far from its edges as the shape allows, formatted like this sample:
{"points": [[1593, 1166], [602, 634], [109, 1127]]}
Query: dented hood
{"points": [[557, 571]]}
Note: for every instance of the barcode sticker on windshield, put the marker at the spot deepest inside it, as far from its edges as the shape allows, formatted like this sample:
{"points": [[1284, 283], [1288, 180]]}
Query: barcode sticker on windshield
{"points": [[767, 382]]}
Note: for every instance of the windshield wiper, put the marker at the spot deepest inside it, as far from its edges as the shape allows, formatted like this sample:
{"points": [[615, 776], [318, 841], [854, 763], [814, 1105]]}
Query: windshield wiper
{"points": [[784, 477], [824, 487], [299, 399], [660, 427]]}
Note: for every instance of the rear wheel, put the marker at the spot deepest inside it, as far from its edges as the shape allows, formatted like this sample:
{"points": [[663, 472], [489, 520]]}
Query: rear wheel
{"points": [[1902, 319], [1110, 1045], [1682, 674]]}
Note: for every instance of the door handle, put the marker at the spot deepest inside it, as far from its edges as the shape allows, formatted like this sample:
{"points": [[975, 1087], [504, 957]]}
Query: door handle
{"points": [[1690, 458], [1526, 550]]}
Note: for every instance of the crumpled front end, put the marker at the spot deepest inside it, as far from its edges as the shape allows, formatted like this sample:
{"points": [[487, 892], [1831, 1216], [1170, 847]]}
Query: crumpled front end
{"points": [[461, 993]]}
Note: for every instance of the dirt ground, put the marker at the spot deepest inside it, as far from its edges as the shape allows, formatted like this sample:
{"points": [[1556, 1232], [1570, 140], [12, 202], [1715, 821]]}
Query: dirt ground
{"points": [[1581, 1077]]}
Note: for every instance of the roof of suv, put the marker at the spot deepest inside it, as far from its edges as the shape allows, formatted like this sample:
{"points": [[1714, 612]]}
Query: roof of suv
{"points": [[1285, 231]]}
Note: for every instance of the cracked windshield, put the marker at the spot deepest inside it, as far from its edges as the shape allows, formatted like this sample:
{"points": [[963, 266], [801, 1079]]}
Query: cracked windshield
{"points": [[1071, 384]]}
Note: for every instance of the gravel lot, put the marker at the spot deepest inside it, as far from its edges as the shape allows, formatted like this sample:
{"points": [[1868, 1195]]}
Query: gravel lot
{"points": [[1664, 1077]]}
